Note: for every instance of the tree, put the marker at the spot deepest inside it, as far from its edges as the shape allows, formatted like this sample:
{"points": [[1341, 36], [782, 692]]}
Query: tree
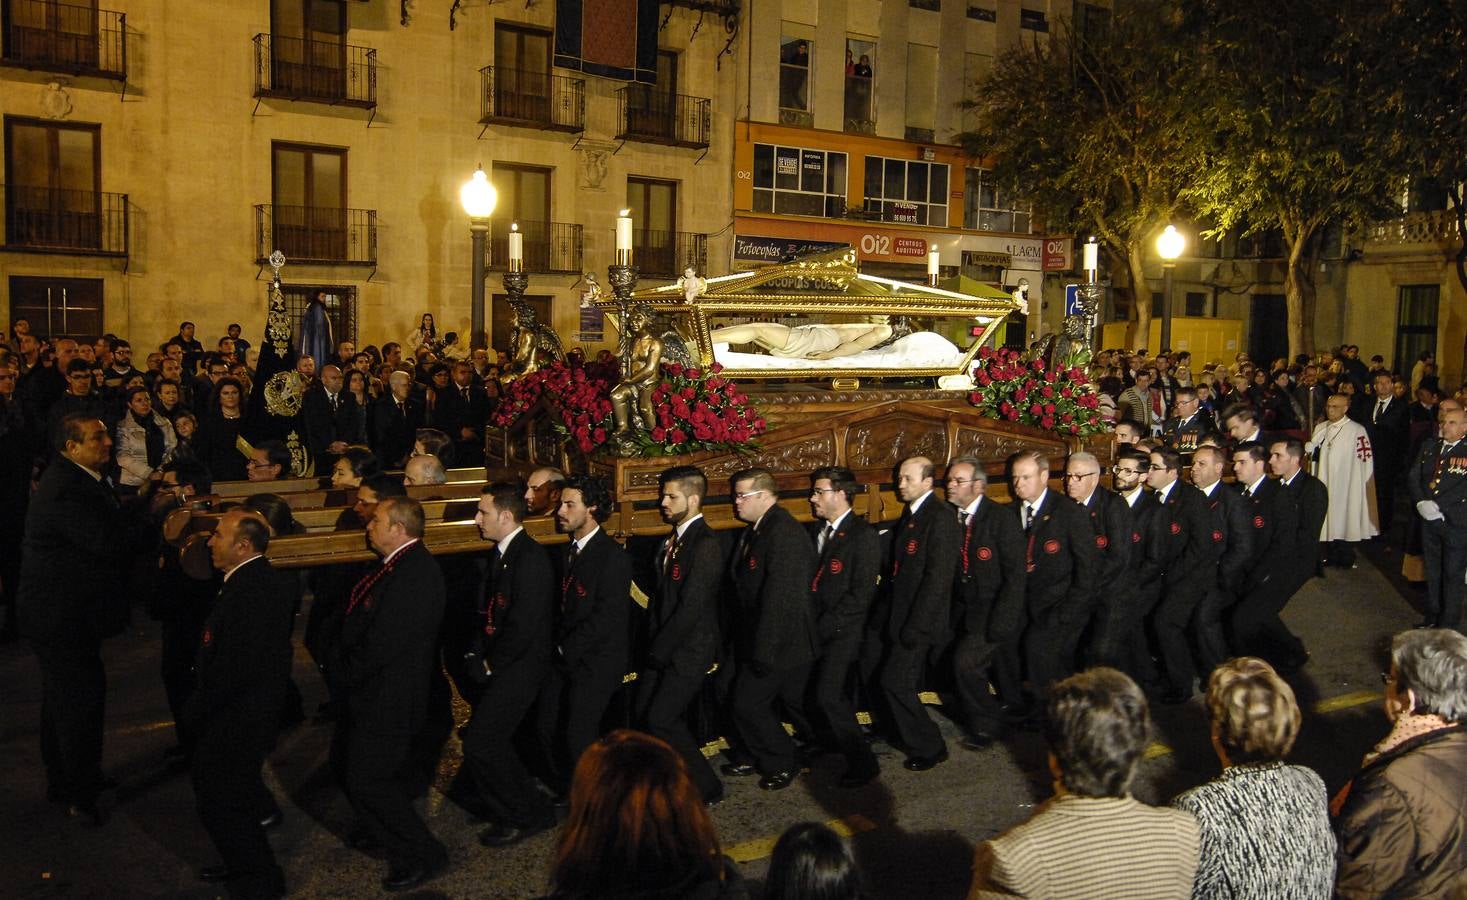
{"points": [[1100, 131], [1297, 143]]}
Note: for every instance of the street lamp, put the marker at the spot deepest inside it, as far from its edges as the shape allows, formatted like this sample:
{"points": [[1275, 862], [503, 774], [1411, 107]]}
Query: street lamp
{"points": [[478, 198], [1169, 246]]}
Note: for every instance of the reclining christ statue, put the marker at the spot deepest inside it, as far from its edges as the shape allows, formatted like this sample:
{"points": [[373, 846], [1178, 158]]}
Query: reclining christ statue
{"points": [[807, 341]]}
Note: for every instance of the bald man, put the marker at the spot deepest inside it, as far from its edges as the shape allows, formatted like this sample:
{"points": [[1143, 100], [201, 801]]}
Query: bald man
{"points": [[422, 470]]}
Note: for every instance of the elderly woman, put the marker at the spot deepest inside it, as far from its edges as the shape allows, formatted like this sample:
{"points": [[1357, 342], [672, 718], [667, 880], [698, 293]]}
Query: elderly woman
{"points": [[1400, 818], [1265, 824]]}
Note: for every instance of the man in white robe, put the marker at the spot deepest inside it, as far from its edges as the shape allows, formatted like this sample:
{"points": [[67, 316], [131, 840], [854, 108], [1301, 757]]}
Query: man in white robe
{"points": [[1343, 461]]}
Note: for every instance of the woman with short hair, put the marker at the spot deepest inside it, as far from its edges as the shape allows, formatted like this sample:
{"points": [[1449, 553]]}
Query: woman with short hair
{"points": [[812, 862], [1400, 819], [1265, 824]]}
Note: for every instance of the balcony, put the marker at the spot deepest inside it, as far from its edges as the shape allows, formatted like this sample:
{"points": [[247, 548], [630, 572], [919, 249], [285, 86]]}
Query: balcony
{"points": [[316, 234], [860, 115], [315, 71], [62, 37], [551, 248], [664, 254], [1419, 232], [531, 100], [650, 117], [49, 220]]}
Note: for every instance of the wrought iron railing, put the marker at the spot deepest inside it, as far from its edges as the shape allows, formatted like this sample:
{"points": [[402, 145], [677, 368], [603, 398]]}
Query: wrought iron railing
{"points": [[1434, 227], [550, 247], [664, 254], [540, 99], [317, 234], [50, 220], [317, 71], [654, 117], [65, 37]]}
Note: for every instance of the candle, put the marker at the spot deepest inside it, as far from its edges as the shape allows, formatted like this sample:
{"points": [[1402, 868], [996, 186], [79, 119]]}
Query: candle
{"points": [[1092, 255], [932, 263], [516, 248], [624, 238]]}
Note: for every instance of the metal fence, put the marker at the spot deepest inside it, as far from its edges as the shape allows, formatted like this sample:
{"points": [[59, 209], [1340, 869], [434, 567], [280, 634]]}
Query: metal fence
{"points": [[666, 253], [65, 37], [317, 234], [550, 247], [52, 220], [651, 116], [515, 96], [319, 71]]}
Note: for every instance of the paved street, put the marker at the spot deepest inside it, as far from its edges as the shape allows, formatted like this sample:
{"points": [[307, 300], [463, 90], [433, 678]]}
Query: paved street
{"points": [[913, 833]]}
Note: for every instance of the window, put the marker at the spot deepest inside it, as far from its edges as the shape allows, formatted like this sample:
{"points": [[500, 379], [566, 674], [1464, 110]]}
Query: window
{"points": [[1092, 23], [1415, 323], [308, 196], [978, 13], [524, 198], [794, 73], [793, 181], [986, 208], [653, 205], [932, 5], [308, 47], [58, 307], [860, 80], [1425, 195], [652, 109], [1196, 304], [1033, 20], [61, 33], [341, 307], [908, 191], [521, 73], [53, 177]]}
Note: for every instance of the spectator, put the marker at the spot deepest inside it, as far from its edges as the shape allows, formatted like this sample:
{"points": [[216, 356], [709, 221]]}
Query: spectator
{"points": [[1400, 818], [425, 335], [433, 442], [1093, 839], [145, 439], [219, 432], [1265, 824], [638, 828], [355, 464], [424, 470], [812, 862], [269, 461], [395, 421]]}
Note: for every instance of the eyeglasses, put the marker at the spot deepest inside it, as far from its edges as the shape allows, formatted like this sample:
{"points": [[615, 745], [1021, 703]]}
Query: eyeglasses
{"points": [[747, 494], [964, 481], [812, 491], [1077, 476], [1122, 470]]}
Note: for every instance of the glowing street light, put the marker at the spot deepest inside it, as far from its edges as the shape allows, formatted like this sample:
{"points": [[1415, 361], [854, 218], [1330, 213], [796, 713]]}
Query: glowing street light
{"points": [[1169, 246], [478, 197]]}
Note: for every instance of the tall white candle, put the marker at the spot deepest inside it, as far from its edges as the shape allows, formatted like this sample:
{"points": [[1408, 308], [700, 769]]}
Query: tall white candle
{"points": [[624, 238], [1092, 256], [516, 248], [932, 261]]}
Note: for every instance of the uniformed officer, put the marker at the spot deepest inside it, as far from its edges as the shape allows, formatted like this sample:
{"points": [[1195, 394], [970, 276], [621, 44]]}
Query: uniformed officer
{"points": [[1438, 484]]}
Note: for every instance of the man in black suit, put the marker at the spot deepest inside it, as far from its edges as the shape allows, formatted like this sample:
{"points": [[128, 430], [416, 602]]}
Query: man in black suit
{"points": [[592, 631], [1274, 515], [915, 613], [1387, 421], [74, 558], [514, 656], [385, 660], [1061, 560], [1311, 497], [1438, 485], [848, 560], [462, 412], [1110, 522], [330, 418], [243, 666], [395, 421], [1241, 421], [774, 641], [1233, 532], [1177, 568], [682, 623], [1188, 423], [1119, 609], [988, 604]]}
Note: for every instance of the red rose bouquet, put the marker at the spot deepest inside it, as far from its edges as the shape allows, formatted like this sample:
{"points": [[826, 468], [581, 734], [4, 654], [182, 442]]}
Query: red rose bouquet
{"points": [[1015, 389], [579, 396], [699, 410]]}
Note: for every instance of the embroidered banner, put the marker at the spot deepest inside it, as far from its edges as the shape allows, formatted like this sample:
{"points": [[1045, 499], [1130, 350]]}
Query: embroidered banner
{"points": [[611, 38]]}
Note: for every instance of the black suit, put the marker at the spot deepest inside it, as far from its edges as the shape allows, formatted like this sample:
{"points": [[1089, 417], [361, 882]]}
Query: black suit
{"points": [[1390, 440], [456, 412], [384, 664], [1272, 575], [518, 597], [72, 594], [1118, 544], [1062, 560], [325, 423], [592, 634], [916, 615], [1177, 570], [394, 428], [1440, 475], [774, 638], [1182, 434], [846, 575], [243, 666], [988, 613], [682, 639], [1230, 516]]}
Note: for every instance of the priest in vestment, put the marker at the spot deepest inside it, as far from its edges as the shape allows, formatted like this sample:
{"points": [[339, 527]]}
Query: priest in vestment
{"points": [[1343, 461]]}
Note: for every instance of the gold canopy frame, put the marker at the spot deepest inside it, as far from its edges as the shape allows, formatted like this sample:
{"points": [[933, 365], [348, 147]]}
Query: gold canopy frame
{"points": [[825, 284]]}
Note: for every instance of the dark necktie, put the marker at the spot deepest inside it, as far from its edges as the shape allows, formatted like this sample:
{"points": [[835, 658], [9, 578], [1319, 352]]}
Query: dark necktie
{"points": [[826, 534], [670, 553]]}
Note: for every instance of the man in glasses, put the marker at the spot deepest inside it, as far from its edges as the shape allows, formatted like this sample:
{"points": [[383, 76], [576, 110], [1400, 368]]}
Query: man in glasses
{"points": [[1115, 624], [1110, 522], [1188, 422], [81, 397], [1128, 476]]}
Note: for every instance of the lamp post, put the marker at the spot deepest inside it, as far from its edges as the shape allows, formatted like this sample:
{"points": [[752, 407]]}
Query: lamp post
{"points": [[1168, 246], [478, 198]]}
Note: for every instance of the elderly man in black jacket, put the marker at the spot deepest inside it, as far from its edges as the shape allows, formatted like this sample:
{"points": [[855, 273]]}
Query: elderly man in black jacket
{"points": [[77, 547], [988, 604], [1233, 533], [914, 616], [1111, 523], [775, 640], [592, 632], [1438, 485], [384, 663], [330, 418], [682, 623], [514, 657], [848, 560], [243, 666]]}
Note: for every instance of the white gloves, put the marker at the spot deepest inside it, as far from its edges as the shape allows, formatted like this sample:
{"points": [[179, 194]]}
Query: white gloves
{"points": [[1429, 511]]}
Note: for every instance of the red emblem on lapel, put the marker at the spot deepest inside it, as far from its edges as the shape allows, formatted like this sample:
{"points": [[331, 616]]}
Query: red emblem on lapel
{"points": [[677, 572], [1217, 536], [835, 567], [1176, 528], [753, 564], [985, 554], [580, 589], [1135, 537], [1051, 546], [208, 637], [1258, 521], [911, 546], [1102, 541]]}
